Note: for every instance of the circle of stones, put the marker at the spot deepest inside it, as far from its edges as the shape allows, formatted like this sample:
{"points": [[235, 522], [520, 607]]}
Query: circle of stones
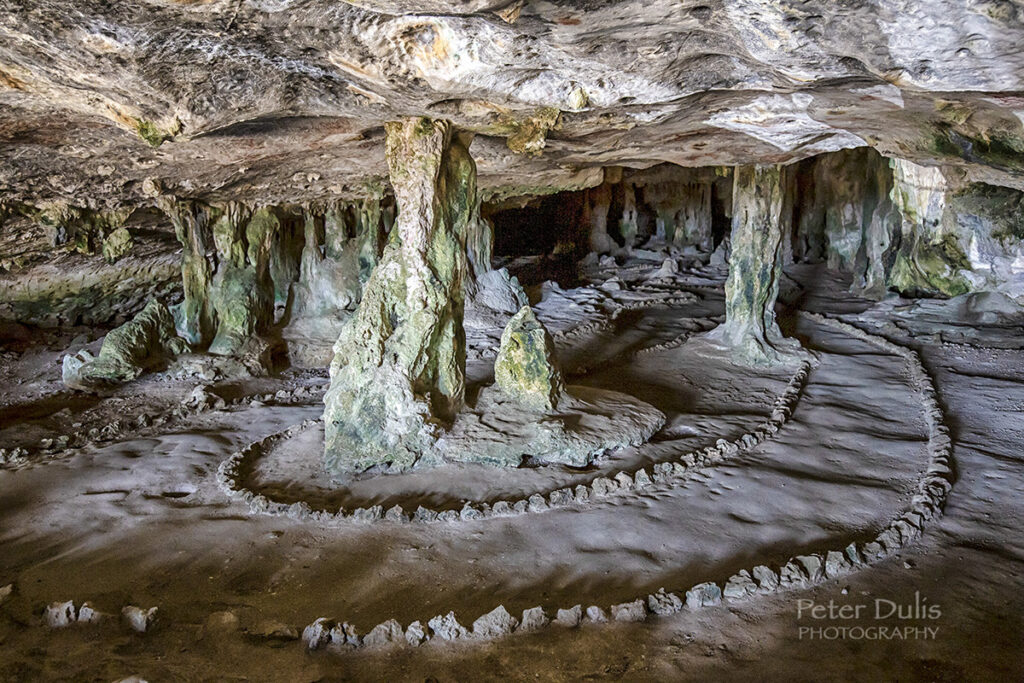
{"points": [[800, 571]]}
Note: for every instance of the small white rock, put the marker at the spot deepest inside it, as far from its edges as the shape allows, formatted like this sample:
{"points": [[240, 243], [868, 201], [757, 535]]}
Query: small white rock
{"points": [[382, 635], [59, 614], [415, 634], [629, 611], [533, 619], [570, 618], [447, 627], [703, 595], [88, 615]]}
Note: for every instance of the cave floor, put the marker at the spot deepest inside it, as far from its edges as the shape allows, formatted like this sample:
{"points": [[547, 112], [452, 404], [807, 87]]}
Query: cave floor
{"points": [[140, 520]]}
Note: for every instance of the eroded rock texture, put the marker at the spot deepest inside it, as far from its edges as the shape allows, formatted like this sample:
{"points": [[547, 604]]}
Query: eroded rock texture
{"points": [[179, 96], [238, 265], [127, 351], [844, 214], [398, 373]]}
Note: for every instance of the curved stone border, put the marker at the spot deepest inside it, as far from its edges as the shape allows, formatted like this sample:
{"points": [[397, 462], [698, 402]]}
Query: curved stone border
{"points": [[800, 571], [64, 445], [666, 473]]}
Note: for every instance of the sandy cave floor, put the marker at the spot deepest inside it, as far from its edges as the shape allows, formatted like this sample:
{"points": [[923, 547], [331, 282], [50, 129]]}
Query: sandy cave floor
{"points": [[141, 521]]}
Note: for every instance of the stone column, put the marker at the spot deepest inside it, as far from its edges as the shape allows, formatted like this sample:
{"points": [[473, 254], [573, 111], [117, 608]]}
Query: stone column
{"points": [[599, 200], [195, 317], [242, 291], [750, 330], [397, 379]]}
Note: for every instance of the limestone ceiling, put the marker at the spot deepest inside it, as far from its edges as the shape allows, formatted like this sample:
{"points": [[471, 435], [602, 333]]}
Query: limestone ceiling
{"points": [[109, 102]]}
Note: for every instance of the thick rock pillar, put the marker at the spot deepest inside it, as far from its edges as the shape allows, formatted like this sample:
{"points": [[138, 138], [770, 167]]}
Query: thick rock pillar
{"points": [[397, 379], [750, 330], [242, 291]]}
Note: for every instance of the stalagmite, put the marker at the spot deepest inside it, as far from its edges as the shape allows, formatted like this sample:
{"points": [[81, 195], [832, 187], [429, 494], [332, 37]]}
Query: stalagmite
{"points": [[397, 378], [628, 223], [750, 330]]}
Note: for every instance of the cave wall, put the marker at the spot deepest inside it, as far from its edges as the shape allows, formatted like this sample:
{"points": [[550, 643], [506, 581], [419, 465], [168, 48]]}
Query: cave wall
{"points": [[898, 226], [62, 265]]}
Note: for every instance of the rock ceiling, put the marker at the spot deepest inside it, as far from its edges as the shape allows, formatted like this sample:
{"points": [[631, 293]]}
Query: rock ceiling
{"points": [[270, 101]]}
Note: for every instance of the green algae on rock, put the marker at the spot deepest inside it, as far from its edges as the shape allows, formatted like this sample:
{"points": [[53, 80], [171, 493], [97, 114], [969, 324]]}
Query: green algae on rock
{"points": [[117, 244], [526, 368], [750, 331], [398, 375]]}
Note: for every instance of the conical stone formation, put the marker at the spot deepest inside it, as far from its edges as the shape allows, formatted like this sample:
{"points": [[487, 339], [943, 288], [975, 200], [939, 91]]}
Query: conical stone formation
{"points": [[526, 367]]}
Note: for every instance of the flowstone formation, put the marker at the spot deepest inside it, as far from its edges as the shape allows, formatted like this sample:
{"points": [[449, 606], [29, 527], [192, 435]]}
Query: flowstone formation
{"points": [[397, 378], [342, 244], [929, 259], [127, 351], [526, 368], [750, 331], [242, 292], [230, 257]]}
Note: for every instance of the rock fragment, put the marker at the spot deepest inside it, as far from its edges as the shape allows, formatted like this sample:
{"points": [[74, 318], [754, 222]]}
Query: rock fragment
{"points": [[447, 627], [415, 634], [59, 614], [703, 595], [570, 618], [664, 604], [740, 585], [533, 619], [385, 634], [629, 611], [318, 634], [496, 623]]}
